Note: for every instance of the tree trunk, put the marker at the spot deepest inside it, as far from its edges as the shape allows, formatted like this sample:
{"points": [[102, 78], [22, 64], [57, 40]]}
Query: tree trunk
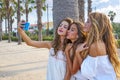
{"points": [[0, 28], [63, 9], [26, 9], [81, 10], [18, 20], [6, 31], [39, 22], [11, 23], [89, 6], [9, 30], [8, 19]]}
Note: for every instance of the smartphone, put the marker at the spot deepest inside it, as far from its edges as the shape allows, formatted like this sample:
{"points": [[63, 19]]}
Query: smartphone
{"points": [[25, 26]]}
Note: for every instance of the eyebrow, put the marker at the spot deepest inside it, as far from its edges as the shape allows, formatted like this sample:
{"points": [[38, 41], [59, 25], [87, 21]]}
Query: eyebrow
{"points": [[72, 28]]}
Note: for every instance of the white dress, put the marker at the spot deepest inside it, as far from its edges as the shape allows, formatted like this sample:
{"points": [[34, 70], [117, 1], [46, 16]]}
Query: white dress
{"points": [[56, 69], [96, 68]]}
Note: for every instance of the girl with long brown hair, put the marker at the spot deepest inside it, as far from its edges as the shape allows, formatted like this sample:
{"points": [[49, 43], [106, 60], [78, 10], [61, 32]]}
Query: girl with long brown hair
{"points": [[57, 61], [77, 37], [100, 61]]}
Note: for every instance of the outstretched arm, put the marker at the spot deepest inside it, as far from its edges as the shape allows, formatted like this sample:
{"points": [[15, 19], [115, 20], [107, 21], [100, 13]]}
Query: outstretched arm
{"points": [[38, 44]]}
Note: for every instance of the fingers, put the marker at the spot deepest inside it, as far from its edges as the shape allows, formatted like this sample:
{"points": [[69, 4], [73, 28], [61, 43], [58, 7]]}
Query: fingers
{"points": [[85, 48]]}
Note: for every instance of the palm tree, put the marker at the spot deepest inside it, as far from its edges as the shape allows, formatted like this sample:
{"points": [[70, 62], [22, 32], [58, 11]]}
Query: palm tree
{"points": [[18, 20], [7, 3], [89, 6], [112, 15], [1, 21], [39, 15], [63, 9], [28, 8], [81, 10]]}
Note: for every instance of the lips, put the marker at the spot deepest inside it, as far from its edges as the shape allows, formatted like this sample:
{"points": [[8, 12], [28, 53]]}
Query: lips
{"points": [[60, 31]]}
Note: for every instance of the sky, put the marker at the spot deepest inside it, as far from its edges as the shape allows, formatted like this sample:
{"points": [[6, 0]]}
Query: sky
{"points": [[107, 5], [97, 5]]}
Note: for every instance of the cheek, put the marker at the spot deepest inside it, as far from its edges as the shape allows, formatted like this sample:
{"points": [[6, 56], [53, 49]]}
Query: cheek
{"points": [[65, 31], [73, 35]]}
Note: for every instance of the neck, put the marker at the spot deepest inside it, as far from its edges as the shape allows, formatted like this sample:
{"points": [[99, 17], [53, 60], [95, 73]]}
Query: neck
{"points": [[73, 41], [62, 39]]}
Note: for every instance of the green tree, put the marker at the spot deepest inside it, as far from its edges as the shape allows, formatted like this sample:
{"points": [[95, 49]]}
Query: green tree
{"points": [[40, 7], [112, 15], [29, 6]]}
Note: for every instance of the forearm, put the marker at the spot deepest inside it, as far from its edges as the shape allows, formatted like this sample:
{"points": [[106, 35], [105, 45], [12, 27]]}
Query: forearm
{"points": [[38, 44], [79, 58], [67, 75], [76, 66], [69, 62]]}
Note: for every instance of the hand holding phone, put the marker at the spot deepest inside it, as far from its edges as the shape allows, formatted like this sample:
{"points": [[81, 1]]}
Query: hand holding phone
{"points": [[22, 24]]}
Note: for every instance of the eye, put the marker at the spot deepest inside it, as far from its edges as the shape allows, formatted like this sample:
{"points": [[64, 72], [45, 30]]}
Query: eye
{"points": [[66, 27], [60, 25]]}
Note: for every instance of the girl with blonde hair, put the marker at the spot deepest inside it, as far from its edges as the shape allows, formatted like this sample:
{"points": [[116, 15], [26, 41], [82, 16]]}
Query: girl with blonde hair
{"points": [[100, 61]]}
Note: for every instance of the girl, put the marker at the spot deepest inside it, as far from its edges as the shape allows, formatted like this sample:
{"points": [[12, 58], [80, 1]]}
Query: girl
{"points": [[76, 36], [101, 61], [57, 62]]}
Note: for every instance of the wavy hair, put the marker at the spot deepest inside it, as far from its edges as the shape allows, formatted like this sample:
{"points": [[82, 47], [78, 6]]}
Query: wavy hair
{"points": [[56, 43], [101, 29], [81, 37]]}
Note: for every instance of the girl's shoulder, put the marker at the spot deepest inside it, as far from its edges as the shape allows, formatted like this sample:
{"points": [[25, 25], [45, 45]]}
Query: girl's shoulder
{"points": [[97, 49]]}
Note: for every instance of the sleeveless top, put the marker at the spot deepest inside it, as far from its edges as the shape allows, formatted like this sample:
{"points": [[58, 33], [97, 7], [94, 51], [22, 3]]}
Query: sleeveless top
{"points": [[96, 68], [56, 68]]}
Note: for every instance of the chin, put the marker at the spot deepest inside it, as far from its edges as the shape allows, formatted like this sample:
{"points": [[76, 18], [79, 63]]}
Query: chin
{"points": [[67, 37]]}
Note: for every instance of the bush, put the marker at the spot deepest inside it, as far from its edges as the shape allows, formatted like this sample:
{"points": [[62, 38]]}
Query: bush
{"points": [[14, 38], [4, 37], [48, 38], [118, 43], [35, 37]]}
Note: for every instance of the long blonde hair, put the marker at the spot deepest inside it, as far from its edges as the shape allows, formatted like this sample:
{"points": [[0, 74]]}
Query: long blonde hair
{"points": [[101, 29]]}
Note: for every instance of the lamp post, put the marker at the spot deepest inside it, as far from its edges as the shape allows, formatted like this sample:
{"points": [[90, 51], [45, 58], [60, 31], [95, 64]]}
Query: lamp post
{"points": [[0, 21]]}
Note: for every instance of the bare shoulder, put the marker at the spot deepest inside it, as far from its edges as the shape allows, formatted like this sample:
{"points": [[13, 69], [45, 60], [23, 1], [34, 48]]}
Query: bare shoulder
{"points": [[97, 49]]}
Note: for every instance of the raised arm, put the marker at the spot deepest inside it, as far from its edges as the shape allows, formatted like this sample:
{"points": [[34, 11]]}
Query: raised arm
{"points": [[73, 66], [28, 41], [77, 61]]}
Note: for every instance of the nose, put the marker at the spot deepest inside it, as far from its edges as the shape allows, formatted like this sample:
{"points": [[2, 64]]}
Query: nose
{"points": [[68, 31], [61, 27]]}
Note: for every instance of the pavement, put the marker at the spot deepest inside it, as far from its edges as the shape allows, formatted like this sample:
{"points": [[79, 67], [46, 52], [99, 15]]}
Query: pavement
{"points": [[22, 62]]}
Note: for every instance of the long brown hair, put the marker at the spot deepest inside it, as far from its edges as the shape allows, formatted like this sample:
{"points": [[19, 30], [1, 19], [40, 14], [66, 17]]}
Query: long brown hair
{"points": [[56, 42], [81, 37], [101, 29]]}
